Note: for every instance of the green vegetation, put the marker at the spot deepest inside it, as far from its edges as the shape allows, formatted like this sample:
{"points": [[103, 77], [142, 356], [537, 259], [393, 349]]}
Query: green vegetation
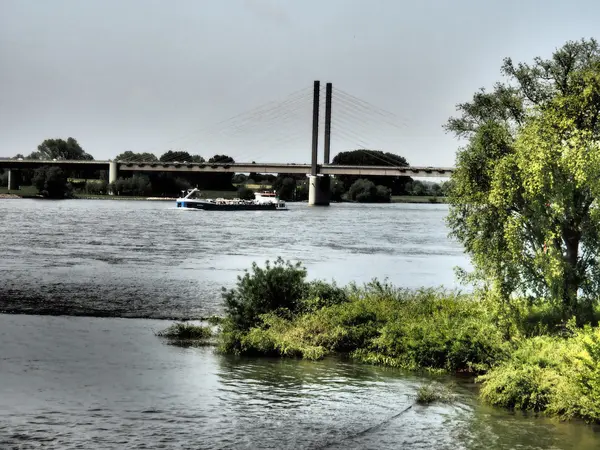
{"points": [[60, 149], [186, 331], [245, 193], [365, 191], [24, 191], [365, 157], [92, 183], [275, 311], [418, 199], [51, 182], [524, 200], [525, 356], [557, 375], [430, 393]]}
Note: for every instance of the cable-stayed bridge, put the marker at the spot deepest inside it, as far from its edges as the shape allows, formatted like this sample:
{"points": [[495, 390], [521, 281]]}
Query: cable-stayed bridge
{"points": [[280, 124]]}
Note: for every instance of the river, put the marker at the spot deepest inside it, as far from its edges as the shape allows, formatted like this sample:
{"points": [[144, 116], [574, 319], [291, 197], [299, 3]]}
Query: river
{"points": [[150, 260], [107, 382]]}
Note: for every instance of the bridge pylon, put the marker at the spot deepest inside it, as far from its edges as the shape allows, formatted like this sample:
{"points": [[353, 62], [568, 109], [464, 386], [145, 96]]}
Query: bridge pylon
{"points": [[319, 186], [13, 180]]}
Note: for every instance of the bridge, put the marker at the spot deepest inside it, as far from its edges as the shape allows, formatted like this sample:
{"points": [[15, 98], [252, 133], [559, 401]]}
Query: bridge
{"points": [[319, 173]]}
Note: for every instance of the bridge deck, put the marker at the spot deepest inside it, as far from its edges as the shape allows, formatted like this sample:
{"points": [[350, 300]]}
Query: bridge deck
{"points": [[325, 169]]}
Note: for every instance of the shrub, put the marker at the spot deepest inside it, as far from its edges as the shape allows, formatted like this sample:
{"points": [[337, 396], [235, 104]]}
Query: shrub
{"points": [[96, 187], [51, 182], [556, 375], [376, 324], [279, 286], [186, 331], [245, 193], [319, 294], [427, 394], [438, 332], [365, 191], [136, 185]]}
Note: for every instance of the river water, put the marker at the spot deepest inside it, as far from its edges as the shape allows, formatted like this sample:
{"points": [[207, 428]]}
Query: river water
{"points": [[150, 260], [107, 382]]}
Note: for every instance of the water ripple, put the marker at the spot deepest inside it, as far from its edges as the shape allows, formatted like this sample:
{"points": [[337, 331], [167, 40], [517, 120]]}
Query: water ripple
{"points": [[145, 259]]}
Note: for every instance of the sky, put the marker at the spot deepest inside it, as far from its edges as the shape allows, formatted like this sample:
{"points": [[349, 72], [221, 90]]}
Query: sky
{"points": [[155, 75]]}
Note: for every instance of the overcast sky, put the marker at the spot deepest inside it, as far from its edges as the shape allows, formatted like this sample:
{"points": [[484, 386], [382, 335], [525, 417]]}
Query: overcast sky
{"points": [[150, 75]]}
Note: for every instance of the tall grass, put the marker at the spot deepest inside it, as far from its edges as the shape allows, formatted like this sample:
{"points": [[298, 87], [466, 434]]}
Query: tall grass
{"points": [[186, 331]]}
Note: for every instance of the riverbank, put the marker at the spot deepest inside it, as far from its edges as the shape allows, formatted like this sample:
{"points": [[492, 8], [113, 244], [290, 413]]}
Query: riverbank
{"points": [[32, 192], [418, 199]]}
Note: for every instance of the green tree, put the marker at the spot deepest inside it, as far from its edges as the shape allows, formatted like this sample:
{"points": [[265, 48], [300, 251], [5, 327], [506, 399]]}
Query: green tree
{"points": [[175, 156], [61, 150], [418, 188], [285, 187], [51, 182], [337, 190], [280, 285], [35, 155], [245, 193], [239, 178], [524, 195], [215, 180], [364, 157], [221, 159], [365, 191], [137, 185], [139, 157]]}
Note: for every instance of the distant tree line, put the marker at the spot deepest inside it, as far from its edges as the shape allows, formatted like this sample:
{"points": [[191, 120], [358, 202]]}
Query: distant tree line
{"points": [[364, 189], [291, 187]]}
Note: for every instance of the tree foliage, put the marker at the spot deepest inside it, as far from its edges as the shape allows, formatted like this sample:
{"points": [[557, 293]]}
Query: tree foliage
{"points": [[524, 197], [175, 156], [365, 191], [61, 150], [280, 285], [364, 157], [139, 157], [285, 187], [51, 182], [137, 185], [221, 159], [337, 190], [218, 180], [245, 193]]}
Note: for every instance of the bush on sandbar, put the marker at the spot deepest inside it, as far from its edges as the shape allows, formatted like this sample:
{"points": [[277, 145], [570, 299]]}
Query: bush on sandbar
{"points": [[525, 354], [186, 331], [429, 393], [274, 311]]}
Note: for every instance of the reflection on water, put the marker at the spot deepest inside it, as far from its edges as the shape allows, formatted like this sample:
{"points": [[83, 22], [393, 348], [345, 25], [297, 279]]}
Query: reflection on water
{"points": [[92, 383], [148, 259]]}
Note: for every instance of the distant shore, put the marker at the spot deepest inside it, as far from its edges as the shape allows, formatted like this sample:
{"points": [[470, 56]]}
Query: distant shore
{"points": [[29, 192]]}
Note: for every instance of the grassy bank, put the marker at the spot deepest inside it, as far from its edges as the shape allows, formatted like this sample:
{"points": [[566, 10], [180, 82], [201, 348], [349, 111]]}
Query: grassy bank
{"points": [[32, 192], [24, 192], [418, 199], [524, 357]]}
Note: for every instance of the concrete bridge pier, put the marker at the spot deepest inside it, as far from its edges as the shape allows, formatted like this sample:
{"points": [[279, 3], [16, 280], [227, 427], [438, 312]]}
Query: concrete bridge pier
{"points": [[112, 174], [13, 180], [319, 190]]}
